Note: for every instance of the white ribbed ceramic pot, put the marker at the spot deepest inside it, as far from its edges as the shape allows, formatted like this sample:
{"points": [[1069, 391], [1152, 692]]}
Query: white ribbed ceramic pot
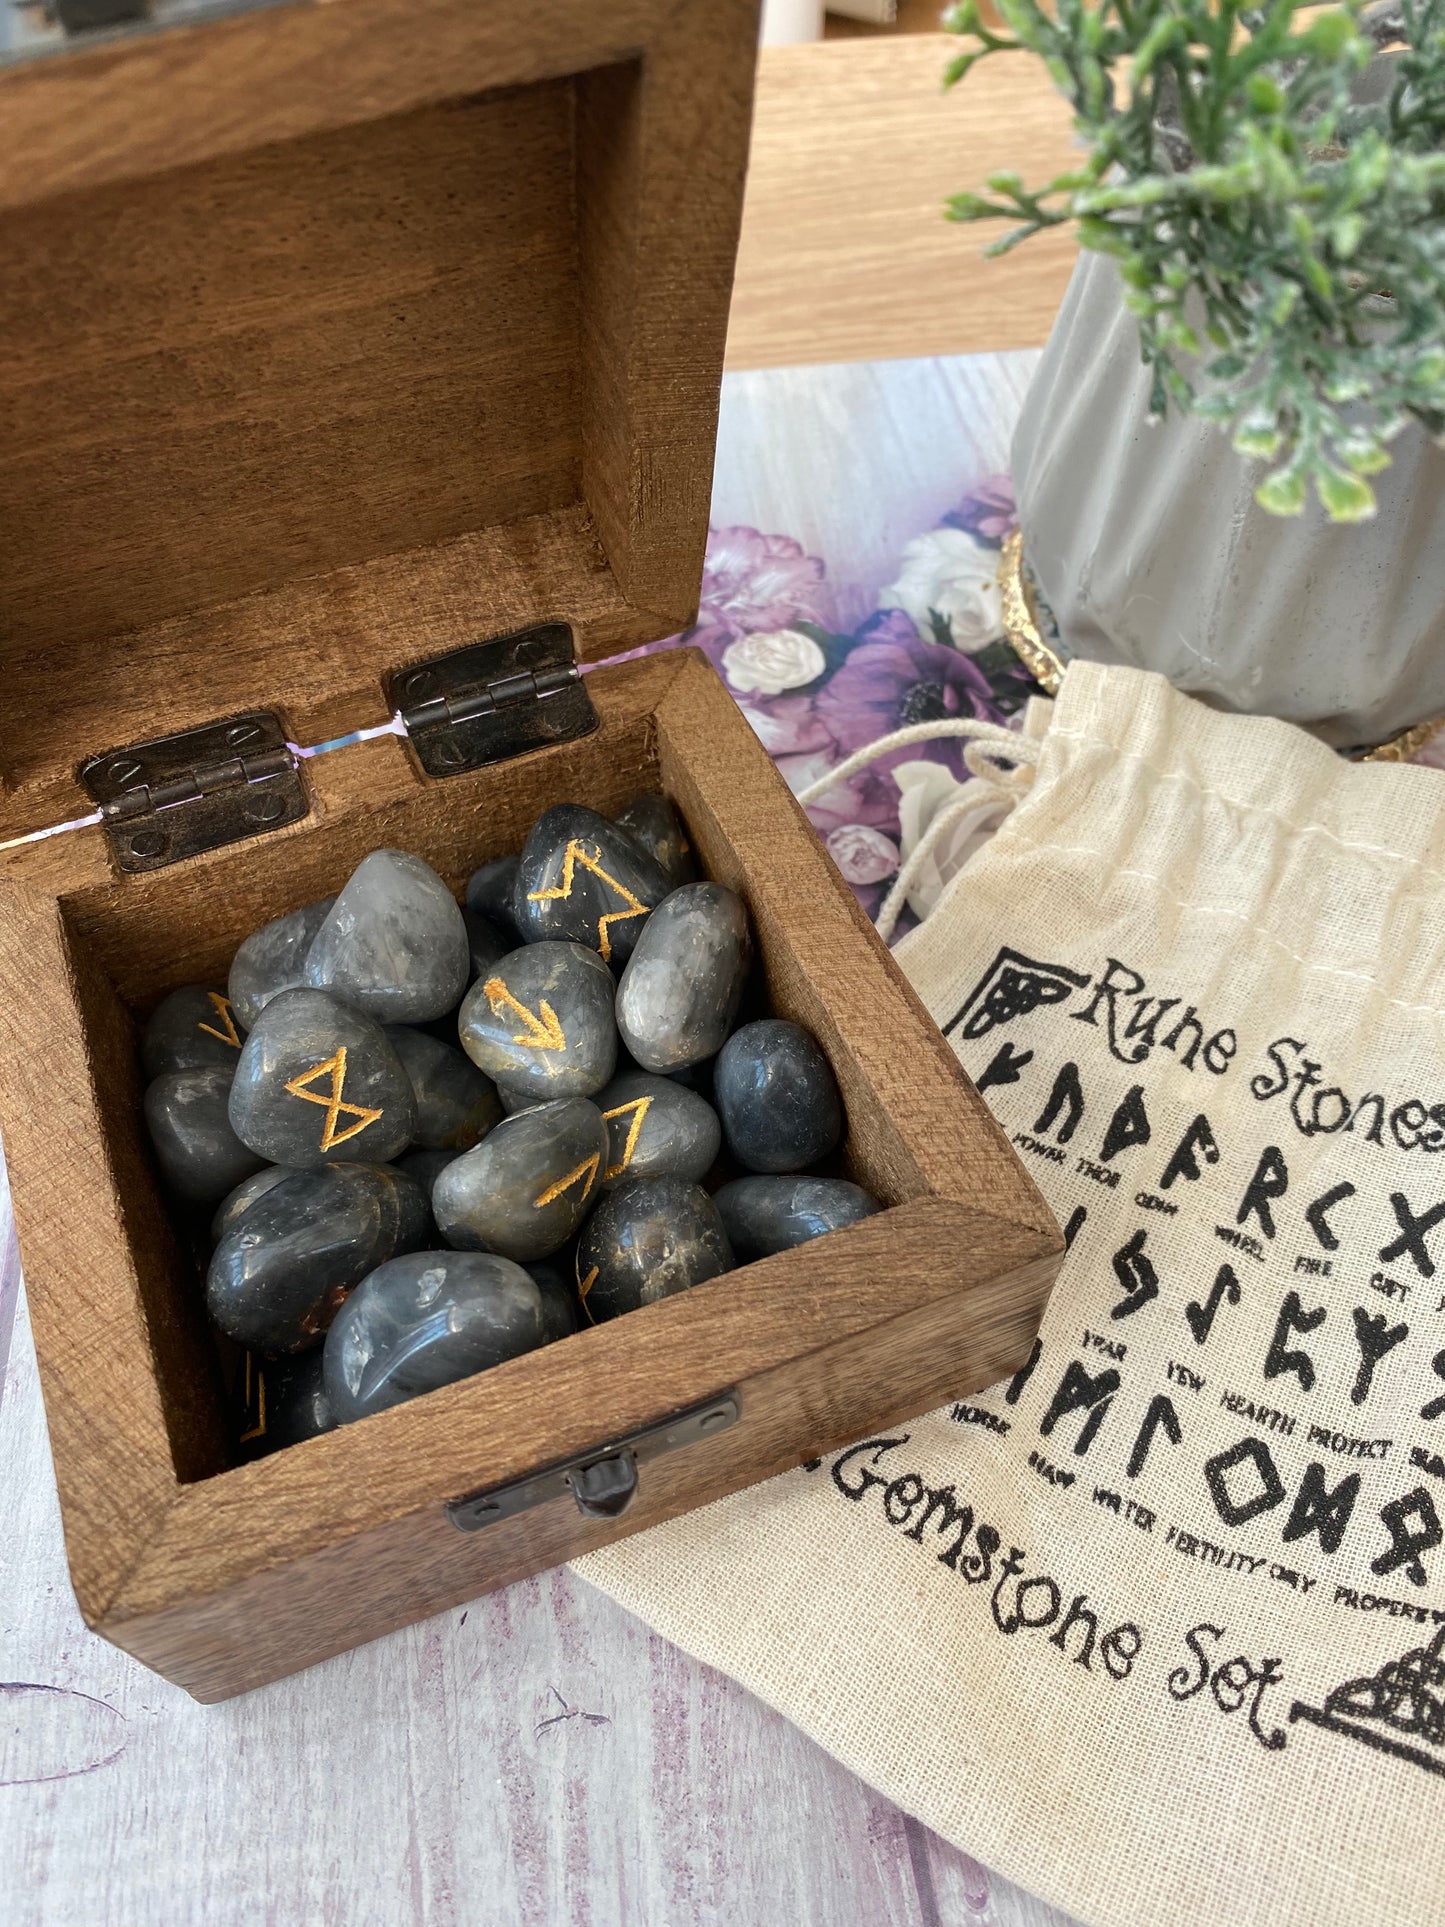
{"points": [[1149, 546]]}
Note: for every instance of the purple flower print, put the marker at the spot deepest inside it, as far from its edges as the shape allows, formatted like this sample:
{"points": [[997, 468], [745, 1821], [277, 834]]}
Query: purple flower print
{"points": [[753, 582], [891, 679], [987, 511]]}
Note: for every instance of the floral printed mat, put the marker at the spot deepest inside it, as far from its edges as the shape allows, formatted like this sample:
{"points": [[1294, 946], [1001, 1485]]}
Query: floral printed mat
{"points": [[829, 643]]}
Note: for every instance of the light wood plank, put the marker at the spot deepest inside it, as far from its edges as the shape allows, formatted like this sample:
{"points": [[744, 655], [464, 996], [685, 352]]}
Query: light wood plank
{"points": [[845, 253]]}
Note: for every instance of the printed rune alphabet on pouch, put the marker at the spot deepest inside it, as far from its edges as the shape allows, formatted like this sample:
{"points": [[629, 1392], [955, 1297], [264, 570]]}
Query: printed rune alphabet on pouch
{"points": [[1013, 986], [1320, 1510], [1414, 1527], [1067, 1096], [1233, 1501], [1136, 1274], [1081, 1391], [1281, 1357], [1270, 1181], [1400, 1710], [1077, 1219], [1160, 1416], [1317, 1214], [1004, 1067], [1128, 1126], [1413, 1231], [1201, 1317], [1375, 1338], [1024, 1373], [1197, 1141], [1435, 1407]]}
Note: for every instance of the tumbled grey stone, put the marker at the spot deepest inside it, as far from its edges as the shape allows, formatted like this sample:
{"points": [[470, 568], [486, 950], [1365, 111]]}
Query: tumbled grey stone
{"points": [[288, 1403], [680, 992], [319, 1081], [561, 1307], [583, 880], [425, 1167], [487, 942], [245, 1195], [648, 1239], [273, 959], [394, 944], [764, 1215], [200, 1155], [194, 1027], [777, 1097], [527, 1186], [657, 1129], [455, 1104], [276, 1279], [424, 1321], [655, 824], [489, 894], [542, 1021]]}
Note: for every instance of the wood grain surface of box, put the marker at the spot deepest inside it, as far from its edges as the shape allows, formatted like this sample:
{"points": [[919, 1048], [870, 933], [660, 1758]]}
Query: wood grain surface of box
{"points": [[340, 337]]}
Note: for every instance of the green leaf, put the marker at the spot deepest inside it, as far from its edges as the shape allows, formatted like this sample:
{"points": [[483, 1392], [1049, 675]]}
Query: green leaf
{"points": [[1345, 498], [1282, 493]]}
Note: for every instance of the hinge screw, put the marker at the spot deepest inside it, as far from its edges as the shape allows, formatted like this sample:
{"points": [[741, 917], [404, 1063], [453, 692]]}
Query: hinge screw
{"points": [[264, 808], [448, 753], [124, 770], [240, 733], [419, 685], [147, 843]]}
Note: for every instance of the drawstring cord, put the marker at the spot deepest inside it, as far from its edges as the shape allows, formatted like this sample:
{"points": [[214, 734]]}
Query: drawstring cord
{"points": [[1001, 761]]}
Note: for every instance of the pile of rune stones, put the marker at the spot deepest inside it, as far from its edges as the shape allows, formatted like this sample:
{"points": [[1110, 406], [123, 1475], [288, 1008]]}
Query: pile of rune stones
{"points": [[394, 1213]]}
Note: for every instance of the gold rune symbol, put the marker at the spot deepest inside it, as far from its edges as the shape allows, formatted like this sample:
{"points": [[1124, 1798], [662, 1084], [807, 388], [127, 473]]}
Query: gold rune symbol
{"points": [[588, 1166], [576, 854], [584, 1285], [258, 1430], [639, 1107], [222, 1007], [332, 1101], [542, 1033]]}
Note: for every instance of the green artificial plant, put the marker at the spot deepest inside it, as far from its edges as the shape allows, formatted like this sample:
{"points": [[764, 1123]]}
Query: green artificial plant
{"points": [[1280, 235]]}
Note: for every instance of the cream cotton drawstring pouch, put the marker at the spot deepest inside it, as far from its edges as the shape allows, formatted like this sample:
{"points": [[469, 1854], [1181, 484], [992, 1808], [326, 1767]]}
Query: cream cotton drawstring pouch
{"points": [[1157, 1628]]}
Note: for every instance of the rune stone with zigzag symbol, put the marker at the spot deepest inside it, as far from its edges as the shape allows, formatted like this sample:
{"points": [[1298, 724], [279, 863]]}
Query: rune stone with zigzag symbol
{"points": [[333, 1101]]}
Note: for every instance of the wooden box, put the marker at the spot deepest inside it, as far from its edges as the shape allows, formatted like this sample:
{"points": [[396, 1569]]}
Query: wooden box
{"points": [[336, 338]]}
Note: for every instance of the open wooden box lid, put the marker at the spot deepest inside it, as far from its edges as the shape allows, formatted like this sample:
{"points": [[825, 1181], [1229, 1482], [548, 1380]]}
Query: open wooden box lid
{"points": [[336, 336]]}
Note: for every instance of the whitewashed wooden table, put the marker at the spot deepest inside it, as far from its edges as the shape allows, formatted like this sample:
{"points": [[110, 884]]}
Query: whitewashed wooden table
{"points": [[539, 1758]]}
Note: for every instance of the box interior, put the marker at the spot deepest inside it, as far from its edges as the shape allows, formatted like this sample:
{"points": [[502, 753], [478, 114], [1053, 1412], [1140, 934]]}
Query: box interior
{"points": [[131, 940], [283, 420]]}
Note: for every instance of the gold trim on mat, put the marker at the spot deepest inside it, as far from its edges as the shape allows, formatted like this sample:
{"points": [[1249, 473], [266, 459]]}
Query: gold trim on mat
{"points": [[1020, 626]]}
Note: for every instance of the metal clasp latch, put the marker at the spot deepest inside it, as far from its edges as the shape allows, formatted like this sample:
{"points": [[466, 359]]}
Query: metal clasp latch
{"points": [[177, 796], [493, 700], [603, 1482]]}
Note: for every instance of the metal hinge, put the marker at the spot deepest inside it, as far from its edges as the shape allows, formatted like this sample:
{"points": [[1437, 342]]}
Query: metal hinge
{"points": [[493, 700], [603, 1482], [177, 796]]}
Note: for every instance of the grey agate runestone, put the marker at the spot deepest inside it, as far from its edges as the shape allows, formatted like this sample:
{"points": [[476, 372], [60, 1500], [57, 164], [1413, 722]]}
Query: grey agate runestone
{"points": [[192, 1029], [656, 1129], [527, 1186], [542, 1022], [647, 1240], [455, 1105], [236, 1203], [561, 1308], [278, 1276], [425, 1167], [487, 942], [764, 1215], [200, 1155], [656, 825], [777, 1097], [424, 1321], [680, 991], [581, 879], [273, 959], [489, 894], [318, 1082], [394, 944], [291, 1403]]}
